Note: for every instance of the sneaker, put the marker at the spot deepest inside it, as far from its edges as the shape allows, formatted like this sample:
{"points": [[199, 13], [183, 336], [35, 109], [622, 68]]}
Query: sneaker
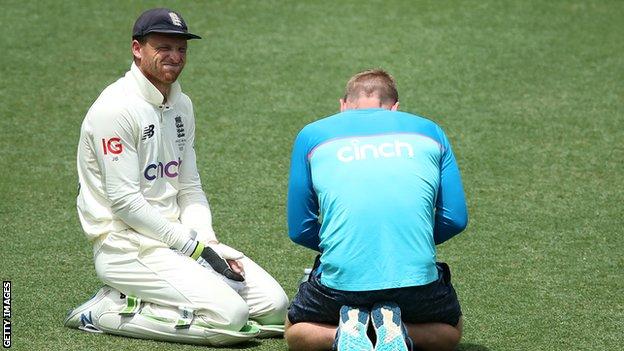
{"points": [[390, 330], [81, 317], [351, 332]]}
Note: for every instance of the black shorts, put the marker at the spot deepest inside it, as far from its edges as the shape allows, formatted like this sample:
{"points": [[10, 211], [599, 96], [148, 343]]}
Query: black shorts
{"points": [[434, 302]]}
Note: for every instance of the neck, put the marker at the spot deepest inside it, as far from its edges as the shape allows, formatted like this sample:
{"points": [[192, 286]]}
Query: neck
{"points": [[162, 87], [366, 103]]}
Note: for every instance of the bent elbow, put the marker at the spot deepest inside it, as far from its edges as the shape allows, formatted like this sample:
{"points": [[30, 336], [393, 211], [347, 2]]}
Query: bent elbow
{"points": [[125, 203], [297, 237], [460, 224], [309, 241], [449, 228]]}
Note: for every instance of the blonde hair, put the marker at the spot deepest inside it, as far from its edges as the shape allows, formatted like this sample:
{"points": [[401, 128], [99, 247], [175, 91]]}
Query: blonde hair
{"points": [[372, 82]]}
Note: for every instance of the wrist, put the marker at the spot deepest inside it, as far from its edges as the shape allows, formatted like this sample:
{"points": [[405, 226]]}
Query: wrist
{"points": [[182, 237], [196, 253], [189, 245]]}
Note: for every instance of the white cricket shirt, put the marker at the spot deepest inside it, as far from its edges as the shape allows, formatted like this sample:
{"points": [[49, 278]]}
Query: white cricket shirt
{"points": [[136, 164]]}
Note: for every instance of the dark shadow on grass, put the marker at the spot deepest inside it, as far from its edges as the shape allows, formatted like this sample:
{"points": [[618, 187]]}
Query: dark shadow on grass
{"points": [[252, 343], [471, 347], [245, 345], [242, 346]]}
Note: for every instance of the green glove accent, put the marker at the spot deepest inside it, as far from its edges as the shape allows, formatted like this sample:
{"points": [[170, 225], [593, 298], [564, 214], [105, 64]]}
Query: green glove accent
{"points": [[198, 250]]}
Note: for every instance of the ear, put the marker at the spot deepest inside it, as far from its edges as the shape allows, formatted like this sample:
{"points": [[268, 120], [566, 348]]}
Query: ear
{"points": [[395, 106], [136, 49], [343, 105]]}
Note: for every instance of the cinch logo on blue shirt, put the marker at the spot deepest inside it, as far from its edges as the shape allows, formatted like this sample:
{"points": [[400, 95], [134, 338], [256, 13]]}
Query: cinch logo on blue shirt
{"points": [[160, 170], [356, 152]]}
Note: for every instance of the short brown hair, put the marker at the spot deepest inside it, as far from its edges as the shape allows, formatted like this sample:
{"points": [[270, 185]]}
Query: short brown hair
{"points": [[141, 39], [370, 83]]}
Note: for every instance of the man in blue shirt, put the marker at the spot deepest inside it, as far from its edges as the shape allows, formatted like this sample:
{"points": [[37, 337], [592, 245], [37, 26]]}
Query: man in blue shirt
{"points": [[374, 190]]}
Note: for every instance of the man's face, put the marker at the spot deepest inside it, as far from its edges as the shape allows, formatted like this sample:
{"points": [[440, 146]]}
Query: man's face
{"points": [[161, 57]]}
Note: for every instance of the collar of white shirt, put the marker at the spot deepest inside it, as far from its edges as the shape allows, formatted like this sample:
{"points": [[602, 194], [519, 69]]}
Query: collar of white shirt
{"points": [[149, 92]]}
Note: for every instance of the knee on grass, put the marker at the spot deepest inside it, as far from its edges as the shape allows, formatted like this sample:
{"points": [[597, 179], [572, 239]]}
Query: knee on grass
{"points": [[273, 311], [229, 316]]}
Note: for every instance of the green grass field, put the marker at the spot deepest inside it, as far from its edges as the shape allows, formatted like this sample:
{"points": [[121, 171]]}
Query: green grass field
{"points": [[530, 93]]}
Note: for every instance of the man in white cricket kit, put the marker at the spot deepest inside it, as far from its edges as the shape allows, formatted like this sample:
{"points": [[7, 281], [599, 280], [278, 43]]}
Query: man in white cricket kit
{"points": [[142, 206]]}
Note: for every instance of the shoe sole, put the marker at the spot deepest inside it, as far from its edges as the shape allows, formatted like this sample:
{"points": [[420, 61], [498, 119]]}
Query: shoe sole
{"points": [[386, 316], [348, 342]]}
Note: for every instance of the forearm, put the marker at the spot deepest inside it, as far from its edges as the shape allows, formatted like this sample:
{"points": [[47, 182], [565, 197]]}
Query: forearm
{"points": [[195, 214], [137, 213], [451, 216], [304, 232], [447, 227], [303, 224], [194, 208], [302, 208]]}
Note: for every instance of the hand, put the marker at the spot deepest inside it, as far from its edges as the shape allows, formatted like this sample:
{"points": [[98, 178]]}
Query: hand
{"points": [[237, 266], [231, 269], [232, 256], [215, 256]]}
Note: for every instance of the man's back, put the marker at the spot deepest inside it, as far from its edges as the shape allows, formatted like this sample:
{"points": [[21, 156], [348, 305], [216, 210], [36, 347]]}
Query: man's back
{"points": [[376, 177], [374, 190]]}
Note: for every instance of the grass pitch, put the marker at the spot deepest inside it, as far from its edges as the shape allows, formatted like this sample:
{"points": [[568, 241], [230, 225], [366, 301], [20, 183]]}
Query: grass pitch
{"points": [[530, 94]]}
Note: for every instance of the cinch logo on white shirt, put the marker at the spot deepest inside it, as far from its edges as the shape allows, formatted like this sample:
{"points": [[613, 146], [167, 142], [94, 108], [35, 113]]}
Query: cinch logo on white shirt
{"points": [[356, 152], [160, 170]]}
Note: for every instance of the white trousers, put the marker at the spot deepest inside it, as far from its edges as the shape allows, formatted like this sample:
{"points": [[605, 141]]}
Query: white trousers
{"points": [[146, 268]]}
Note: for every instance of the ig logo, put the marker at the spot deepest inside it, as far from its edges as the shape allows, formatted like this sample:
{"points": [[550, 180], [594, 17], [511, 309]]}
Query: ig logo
{"points": [[112, 145]]}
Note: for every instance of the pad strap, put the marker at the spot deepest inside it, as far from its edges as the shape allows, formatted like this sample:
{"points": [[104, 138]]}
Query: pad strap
{"points": [[185, 319], [133, 305]]}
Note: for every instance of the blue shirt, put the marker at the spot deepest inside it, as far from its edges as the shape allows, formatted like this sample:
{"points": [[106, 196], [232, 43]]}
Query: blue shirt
{"points": [[374, 191]]}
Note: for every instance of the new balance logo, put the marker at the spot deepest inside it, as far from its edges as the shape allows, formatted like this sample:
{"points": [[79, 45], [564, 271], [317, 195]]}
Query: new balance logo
{"points": [[86, 320], [86, 324], [357, 152], [148, 132]]}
